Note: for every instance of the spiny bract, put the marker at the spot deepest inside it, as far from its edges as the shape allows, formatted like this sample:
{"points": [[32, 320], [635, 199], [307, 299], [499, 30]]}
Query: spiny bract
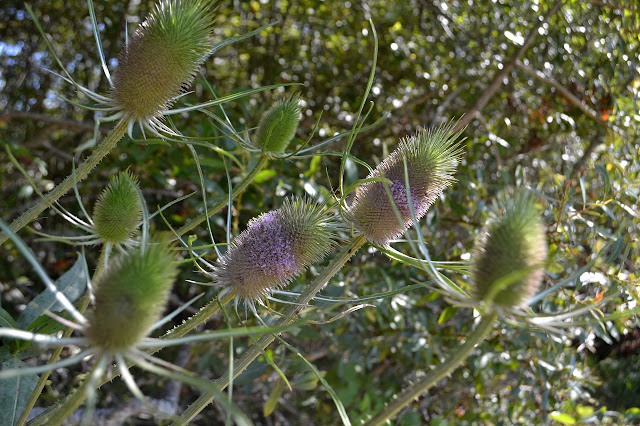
{"points": [[278, 125], [131, 295], [431, 158], [162, 57], [118, 212], [513, 241], [275, 248]]}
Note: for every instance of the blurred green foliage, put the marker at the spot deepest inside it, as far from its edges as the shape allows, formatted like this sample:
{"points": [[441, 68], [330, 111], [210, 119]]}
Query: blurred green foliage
{"points": [[435, 60]]}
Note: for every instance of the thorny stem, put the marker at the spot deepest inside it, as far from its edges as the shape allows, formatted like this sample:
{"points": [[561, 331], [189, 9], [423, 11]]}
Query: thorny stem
{"points": [[318, 283], [224, 200], [439, 372], [100, 266], [101, 151]]}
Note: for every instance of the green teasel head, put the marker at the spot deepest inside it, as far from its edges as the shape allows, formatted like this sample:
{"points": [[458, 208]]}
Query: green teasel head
{"points": [[162, 57], [278, 125], [118, 211], [431, 158], [275, 248], [509, 257], [131, 296]]}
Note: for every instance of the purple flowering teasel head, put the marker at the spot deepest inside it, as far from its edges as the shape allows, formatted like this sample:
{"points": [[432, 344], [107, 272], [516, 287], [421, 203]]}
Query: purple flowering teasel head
{"points": [[431, 158], [275, 248], [508, 259]]}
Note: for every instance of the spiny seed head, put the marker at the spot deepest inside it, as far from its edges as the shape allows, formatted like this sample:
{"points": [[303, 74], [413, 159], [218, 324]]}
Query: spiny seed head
{"points": [[130, 297], [118, 211], [275, 248], [278, 125], [431, 158], [511, 248], [162, 57]]}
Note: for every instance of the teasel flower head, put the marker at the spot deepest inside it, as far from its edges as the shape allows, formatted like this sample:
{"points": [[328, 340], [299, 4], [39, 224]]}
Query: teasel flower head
{"points": [[508, 259], [431, 158], [275, 248], [118, 211], [162, 58], [116, 217], [131, 295], [278, 126]]}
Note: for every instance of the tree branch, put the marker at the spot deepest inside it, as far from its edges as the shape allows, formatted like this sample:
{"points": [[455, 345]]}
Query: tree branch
{"points": [[568, 95], [593, 142], [506, 69]]}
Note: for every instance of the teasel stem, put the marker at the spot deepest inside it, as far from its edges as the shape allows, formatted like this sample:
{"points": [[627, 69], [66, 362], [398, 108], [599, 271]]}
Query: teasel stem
{"points": [[84, 303], [104, 252], [438, 373], [237, 190], [83, 170], [318, 283]]}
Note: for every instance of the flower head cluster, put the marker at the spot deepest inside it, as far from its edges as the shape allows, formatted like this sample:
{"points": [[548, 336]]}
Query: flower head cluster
{"points": [[275, 248], [510, 252], [431, 158], [118, 212], [278, 126], [131, 296], [162, 57], [156, 66]]}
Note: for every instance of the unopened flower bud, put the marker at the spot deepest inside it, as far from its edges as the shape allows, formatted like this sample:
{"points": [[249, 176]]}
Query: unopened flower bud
{"points": [[131, 295], [431, 158], [275, 248], [510, 252], [278, 125], [162, 57], [117, 212]]}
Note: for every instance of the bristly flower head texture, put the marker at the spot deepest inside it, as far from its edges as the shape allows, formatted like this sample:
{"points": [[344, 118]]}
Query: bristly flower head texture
{"points": [[131, 295], [275, 248], [278, 126], [118, 212], [162, 58], [431, 158], [510, 252]]}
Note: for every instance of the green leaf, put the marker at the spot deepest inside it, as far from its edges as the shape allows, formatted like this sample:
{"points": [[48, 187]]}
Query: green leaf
{"points": [[563, 418], [265, 175], [7, 320], [14, 391], [275, 394], [72, 284], [584, 411], [448, 312], [555, 268]]}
